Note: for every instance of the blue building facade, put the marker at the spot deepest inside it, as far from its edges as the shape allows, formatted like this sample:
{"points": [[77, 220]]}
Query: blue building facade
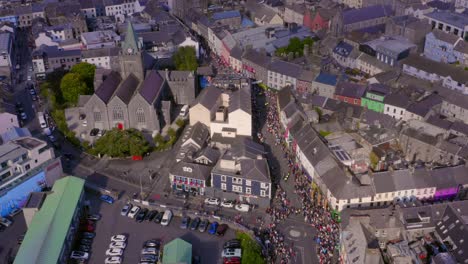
{"points": [[439, 46], [9, 18]]}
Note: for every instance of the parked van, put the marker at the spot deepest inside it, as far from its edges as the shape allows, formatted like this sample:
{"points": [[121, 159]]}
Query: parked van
{"points": [[184, 110], [42, 122], [166, 218]]}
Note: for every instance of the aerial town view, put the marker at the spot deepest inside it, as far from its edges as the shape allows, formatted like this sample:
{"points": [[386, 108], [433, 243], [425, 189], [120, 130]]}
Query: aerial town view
{"points": [[234, 131]]}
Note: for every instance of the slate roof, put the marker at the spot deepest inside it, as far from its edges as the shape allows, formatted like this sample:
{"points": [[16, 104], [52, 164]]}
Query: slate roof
{"points": [[255, 169], [462, 46], [247, 148], [451, 18], [423, 107], [257, 57], [151, 87], [284, 97], [108, 87], [398, 100], [198, 133], [352, 16], [350, 89], [104, 52], [241, 99], [327, 78], [420, 136], [226, 15], [127, 88], [285, 68], [236, 52], [460, 127], [198, 171], [209, 96], [343, 49], [444, 36], [210, 153], [374, 118], [438, 122], [453, 97]]}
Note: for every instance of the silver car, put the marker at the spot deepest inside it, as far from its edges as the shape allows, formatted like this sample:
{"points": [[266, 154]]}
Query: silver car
{"points": [[126, 209]]}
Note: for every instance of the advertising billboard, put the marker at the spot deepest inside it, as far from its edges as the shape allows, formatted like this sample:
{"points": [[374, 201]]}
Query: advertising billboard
{"points": [[17, 197]]}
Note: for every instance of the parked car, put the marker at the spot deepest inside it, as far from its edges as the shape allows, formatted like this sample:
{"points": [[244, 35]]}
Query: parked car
{"points": [[94, 217], [212, 201], [79, 255], [113, 260], [233, 243], [84, 248], [158, 217], [227, 204], [203, 225], [121, 245], [151, 215], [194, 224], [119, 238], [94, 132], [134, 211], [141, 215], [88, 235], [185, 222], [23, 116], [153, 243], [181, 194], [106, 198], [232, 260], [221, 230], [212, 228], [114, 252], [166, 219], [242, 207], [148, 258], [87, 228], [15, 212], [231, 252], [127, 208], [150, 251], [86, 242]]}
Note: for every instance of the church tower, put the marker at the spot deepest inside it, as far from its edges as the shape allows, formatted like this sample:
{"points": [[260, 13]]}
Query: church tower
{"points": [[131, 55]]}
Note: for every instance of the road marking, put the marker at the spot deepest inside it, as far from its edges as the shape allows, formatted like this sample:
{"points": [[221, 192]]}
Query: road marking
{"points": [[301, 249]]}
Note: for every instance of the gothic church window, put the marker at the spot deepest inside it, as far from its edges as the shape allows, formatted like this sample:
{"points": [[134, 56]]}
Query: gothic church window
{"points": [[140, 115]]}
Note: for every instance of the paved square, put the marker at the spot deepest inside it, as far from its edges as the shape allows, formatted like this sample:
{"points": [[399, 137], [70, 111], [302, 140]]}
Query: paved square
{"points": [[207, 246]]}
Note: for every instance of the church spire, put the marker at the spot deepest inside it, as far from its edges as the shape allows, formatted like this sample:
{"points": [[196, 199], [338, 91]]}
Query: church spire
{"points": [[130, 45]]}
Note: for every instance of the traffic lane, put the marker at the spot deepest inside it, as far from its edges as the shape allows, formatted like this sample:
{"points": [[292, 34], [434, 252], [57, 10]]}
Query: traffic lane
{"points": [[301, 236], [23, 96], [9, 238], [206, 246]]}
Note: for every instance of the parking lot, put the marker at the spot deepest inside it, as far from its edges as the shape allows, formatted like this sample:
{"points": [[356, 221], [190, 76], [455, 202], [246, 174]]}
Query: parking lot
{"points": [[207, 247], [9, 238]]}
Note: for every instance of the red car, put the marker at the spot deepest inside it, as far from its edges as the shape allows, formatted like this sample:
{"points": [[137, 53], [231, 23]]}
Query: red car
{"points": [[88, 228], [232, 260]]}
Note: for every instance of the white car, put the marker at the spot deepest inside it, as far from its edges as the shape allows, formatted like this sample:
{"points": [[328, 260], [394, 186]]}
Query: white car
{"points": [[113, 260], [126, 209], [114, 252], [227, 204], [121, 245], [79, 255], [212, 201], [134, 211], [231, 252], [119, 238], [242, 207]]}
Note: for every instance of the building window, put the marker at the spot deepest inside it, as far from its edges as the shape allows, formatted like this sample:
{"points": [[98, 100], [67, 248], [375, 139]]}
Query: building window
{"points": [[117, 113], [248, 182], [263, 193], [236, 180], [140, 115], [236, 188], [248, 190], [223, 186], [223, 178], [97, 116], [264, 185]]}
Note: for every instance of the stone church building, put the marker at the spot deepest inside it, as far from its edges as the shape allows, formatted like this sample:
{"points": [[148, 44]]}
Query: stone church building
{"points": [[135, 98]]}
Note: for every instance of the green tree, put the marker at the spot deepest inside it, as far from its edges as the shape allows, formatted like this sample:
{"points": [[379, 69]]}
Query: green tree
{"points": [[251, 251], [185, 59], [121, 143], [86, 72], [72, 86], [180, 123], [373, 159]]}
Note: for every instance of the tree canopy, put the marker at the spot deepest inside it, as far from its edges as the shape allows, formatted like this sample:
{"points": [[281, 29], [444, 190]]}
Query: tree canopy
{"points": [[121, 143], [72, 86], [185, 59], [251, 251], [86, 72], [295, 47]]}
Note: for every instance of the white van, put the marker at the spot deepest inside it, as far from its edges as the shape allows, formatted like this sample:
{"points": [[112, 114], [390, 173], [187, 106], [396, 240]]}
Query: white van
{"points": [[42, 122], [184, 111], [166, 218]]}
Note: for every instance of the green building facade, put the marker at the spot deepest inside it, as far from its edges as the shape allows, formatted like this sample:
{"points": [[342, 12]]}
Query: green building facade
{"points": [[373, 101]]}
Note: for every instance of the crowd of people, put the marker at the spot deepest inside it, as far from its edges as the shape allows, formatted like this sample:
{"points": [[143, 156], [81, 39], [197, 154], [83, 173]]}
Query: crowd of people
{"points": [[312, 208]]}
